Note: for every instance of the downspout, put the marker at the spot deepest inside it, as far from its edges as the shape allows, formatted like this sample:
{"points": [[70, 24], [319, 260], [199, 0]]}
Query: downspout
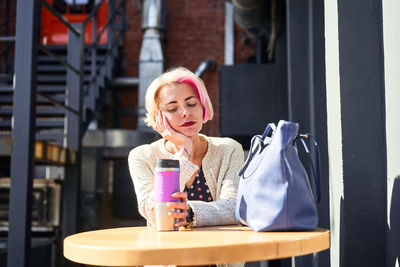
{"points": [[151, 59]]}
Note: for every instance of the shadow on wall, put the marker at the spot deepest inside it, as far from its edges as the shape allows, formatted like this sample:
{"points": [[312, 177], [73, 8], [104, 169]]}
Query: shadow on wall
{"points": [[393, 232]]}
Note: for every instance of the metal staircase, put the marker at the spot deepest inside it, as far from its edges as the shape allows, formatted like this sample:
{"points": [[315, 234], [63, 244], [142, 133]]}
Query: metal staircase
{"points": [[51, 108], [69, 82]]}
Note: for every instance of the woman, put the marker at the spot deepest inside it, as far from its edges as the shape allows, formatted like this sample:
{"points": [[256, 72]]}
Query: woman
{"points": [[177, 106]]}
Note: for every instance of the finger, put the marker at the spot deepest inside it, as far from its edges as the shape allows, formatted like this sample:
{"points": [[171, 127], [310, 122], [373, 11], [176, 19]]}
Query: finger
{"points": [[165, 122], [157, 118], [167, 125], [159, 124], [181, 195], [178, 215], [178, 205], [160, 118]]}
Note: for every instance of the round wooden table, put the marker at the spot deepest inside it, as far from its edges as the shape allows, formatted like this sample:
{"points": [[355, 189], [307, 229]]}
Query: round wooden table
{"points": [[205, 245]]}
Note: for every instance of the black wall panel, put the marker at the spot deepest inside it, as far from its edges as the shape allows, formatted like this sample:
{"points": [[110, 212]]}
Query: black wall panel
{"points": [[252, 95], [363, 133]]}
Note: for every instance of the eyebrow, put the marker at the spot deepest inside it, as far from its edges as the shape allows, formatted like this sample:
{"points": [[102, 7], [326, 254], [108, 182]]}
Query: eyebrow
{"points": [[174, 101]]}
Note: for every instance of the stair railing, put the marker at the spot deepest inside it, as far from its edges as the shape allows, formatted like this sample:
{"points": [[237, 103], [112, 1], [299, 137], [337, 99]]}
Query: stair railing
{"points": [[24, 96], [92, 90], [78, 97]]}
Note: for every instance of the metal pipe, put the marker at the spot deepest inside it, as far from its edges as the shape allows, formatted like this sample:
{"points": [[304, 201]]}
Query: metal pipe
{"points": [[151, 59], [153, 15], [205, 66], [125, 82], [7, 39], [229, 35]]}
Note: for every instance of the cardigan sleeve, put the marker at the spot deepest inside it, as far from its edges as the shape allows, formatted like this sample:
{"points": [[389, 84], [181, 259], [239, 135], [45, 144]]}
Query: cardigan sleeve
{"points": [[142, 174], [187, 170], [226, 161]]}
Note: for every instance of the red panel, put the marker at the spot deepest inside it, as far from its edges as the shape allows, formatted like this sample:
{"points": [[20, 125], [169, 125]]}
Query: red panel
{"points": [[55, 32]]}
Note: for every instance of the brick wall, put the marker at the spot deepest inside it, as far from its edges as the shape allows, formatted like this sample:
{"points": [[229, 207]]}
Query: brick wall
{"points": [[194, 32]]}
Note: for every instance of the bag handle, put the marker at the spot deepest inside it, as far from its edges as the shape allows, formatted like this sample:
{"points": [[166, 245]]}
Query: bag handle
{"points": [[268, 130], [316, 171], [252, 152]]}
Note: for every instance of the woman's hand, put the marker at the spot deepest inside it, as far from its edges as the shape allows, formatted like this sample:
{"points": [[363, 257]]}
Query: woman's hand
{"points": [[165, 130], [182, 206]]}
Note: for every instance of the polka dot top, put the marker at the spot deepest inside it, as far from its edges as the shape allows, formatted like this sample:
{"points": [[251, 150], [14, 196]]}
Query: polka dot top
{"points": [[199, 189]]}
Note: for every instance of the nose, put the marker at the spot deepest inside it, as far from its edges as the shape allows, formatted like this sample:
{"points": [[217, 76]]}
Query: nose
{"points": [[186, 113]]}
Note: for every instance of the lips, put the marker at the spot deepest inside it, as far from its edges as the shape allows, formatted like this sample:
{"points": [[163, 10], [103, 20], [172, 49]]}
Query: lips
{"points": [[188, 124]]}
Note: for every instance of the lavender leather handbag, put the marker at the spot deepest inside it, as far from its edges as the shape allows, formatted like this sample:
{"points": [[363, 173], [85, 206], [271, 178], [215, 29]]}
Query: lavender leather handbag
{"points": [[274, 191]]}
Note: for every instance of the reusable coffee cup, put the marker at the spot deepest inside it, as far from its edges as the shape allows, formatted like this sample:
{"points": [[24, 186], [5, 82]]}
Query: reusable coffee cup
{"points": [[166, 179]]}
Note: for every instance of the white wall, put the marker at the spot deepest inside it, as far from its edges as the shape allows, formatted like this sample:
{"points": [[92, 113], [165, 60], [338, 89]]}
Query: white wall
{"points": [[391, 43], [391, 40], [334, 126]]}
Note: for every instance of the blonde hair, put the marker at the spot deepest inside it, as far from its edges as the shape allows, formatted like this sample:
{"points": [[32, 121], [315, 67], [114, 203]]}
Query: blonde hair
{"points": [[176, 76]]}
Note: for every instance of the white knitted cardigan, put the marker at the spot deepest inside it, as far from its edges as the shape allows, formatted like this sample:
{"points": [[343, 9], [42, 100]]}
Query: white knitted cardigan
{"points": [[220, 165]]}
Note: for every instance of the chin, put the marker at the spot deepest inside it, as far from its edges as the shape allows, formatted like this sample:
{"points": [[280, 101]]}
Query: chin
{"points": [[191, 132]]}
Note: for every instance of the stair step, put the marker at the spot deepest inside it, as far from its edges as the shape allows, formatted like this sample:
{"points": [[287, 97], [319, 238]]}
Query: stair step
{"points": [[54, 135], [5, 111], [50, 68], [43, 88], [6, 78], [50, 111], [45, 152], [63, 48], [57, 78], [51, 89], [48, 89], [41, 111], [45, 59], [8, 99], [58, 98], [40, 123], [6, 89]]}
